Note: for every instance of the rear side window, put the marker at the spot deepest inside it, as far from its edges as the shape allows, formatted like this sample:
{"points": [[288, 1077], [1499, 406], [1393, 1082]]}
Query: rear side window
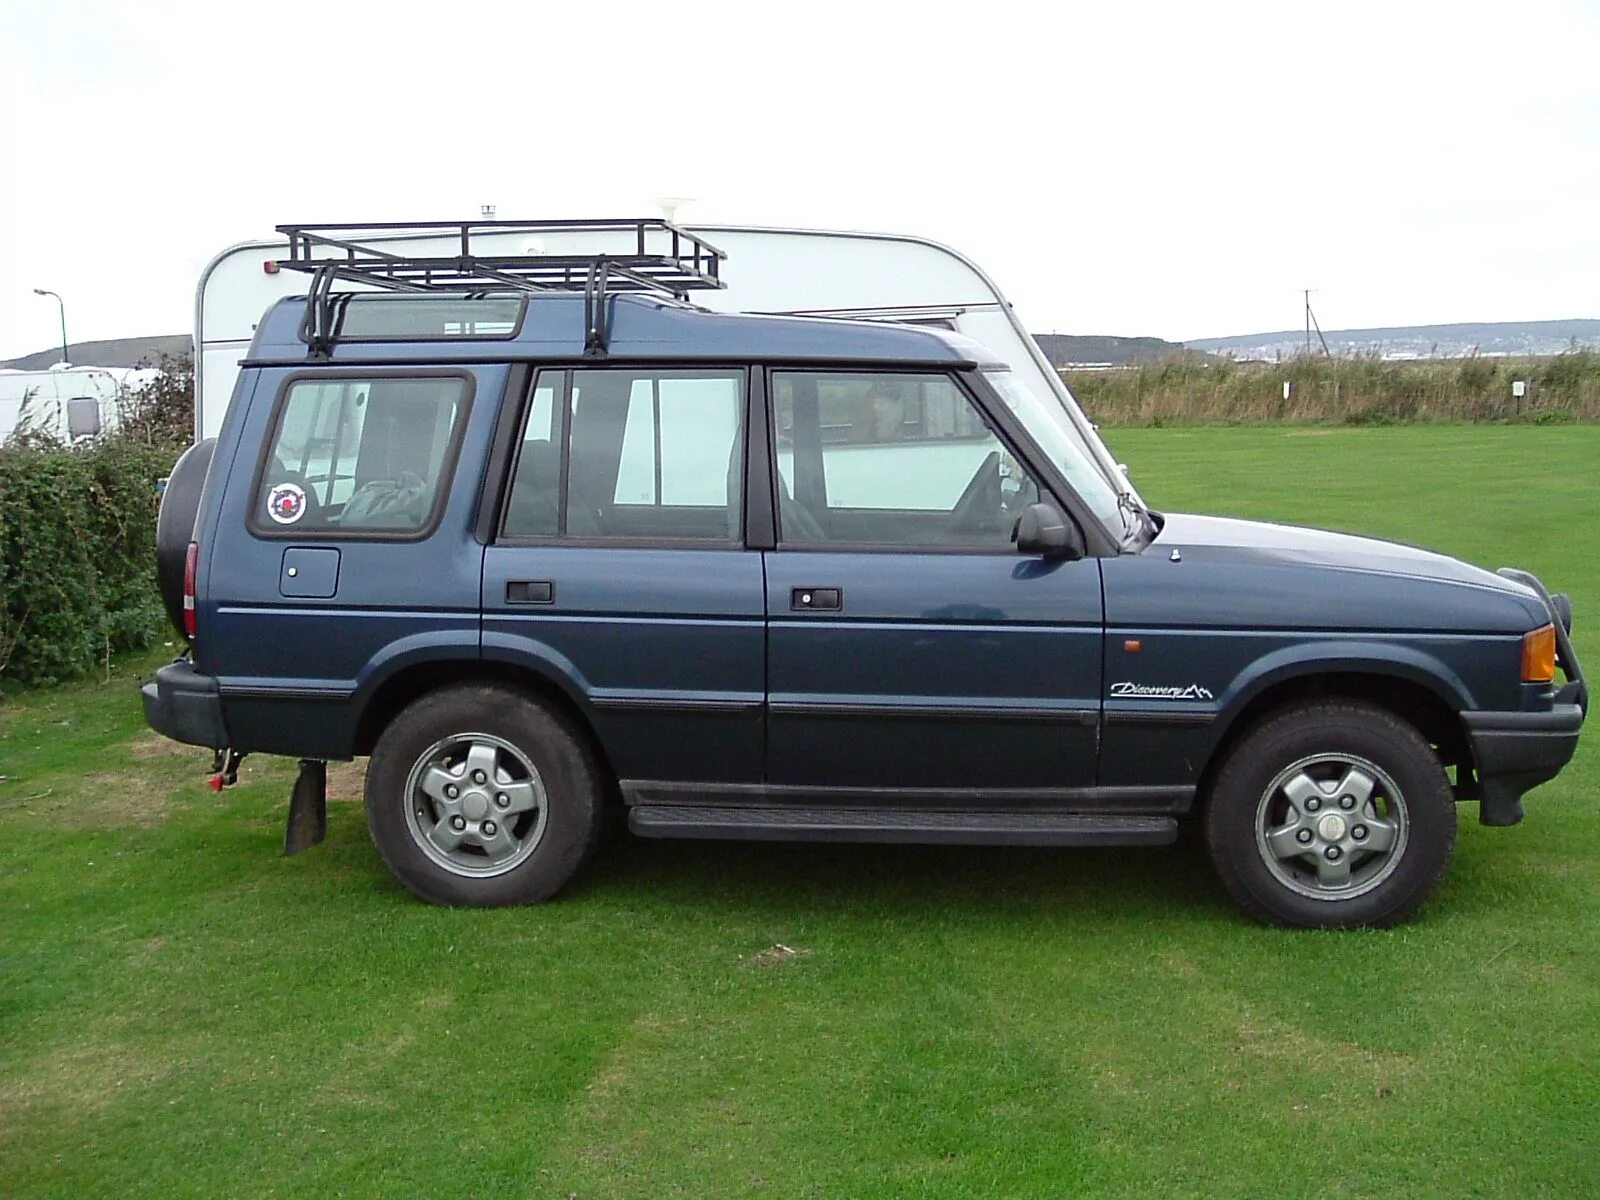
{"points": [[638, 455], [362, 456]]}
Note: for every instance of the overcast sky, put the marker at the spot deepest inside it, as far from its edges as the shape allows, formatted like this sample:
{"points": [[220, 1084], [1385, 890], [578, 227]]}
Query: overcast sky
{"points": [[1179, 170]]}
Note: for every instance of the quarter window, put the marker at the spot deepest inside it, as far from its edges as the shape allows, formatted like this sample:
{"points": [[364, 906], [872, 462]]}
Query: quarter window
{"points": [[359, 455], [891, 459], [631, 454]]}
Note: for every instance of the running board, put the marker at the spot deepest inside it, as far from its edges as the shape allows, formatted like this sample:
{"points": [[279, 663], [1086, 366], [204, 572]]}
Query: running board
{"points": [[968, 827]]}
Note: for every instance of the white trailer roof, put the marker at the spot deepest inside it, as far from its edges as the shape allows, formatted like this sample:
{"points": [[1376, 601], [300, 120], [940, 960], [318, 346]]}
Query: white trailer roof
{"points": [[869, 276]]}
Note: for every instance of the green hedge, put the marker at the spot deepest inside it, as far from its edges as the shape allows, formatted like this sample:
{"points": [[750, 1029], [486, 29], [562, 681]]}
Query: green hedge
{"points": [[77, 556]]}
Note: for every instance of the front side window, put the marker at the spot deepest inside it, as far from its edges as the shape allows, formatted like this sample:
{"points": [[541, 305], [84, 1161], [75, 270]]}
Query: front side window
{"points": [[891, 459], [631, 454], [359, 455]]}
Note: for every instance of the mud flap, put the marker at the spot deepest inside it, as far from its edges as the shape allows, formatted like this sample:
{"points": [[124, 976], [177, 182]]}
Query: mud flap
{"points": [[308, 808]]}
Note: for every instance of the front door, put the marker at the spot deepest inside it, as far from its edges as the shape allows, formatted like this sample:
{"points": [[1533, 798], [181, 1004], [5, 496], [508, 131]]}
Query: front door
{"points": [[910, 647], [619, 570]]}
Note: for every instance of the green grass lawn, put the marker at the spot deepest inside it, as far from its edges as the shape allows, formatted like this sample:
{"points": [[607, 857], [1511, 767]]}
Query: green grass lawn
{"points": [[184, 1012]]}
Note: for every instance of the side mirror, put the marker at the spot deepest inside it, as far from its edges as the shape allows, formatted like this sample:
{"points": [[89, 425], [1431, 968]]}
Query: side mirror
{"points": [[1042, 530]]}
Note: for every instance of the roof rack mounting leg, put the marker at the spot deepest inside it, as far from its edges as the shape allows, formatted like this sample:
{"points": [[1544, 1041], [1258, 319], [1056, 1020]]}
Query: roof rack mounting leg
{"points": [[596, 323], [318, 323]]}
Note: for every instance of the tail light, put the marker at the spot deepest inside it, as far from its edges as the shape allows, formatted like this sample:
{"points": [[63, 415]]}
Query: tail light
{"points": [[1539, 655], [191, 570]]}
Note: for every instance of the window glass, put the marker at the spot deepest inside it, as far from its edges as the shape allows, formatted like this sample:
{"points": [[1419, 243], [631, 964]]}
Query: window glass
{"points": [[858, 409], [533, 508], [359, 455], [650, 454], [891, 459], [1048, 424], [426, 317]]}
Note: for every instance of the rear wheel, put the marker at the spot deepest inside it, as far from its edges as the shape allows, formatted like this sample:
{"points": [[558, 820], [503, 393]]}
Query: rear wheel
{"points": [[480, 795], [1331, 815]]}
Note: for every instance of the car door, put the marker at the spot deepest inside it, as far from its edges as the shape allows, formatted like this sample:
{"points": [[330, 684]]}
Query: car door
{"points": [[911, 649], [618, 569]]}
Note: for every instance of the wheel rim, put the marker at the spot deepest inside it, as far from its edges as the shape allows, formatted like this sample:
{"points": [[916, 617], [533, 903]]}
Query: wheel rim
{"points": [[1332, 826], [475, 805]]}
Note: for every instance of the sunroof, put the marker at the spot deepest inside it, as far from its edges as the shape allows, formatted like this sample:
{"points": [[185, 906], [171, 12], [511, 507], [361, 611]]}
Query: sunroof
{"points": [[385, 316]]}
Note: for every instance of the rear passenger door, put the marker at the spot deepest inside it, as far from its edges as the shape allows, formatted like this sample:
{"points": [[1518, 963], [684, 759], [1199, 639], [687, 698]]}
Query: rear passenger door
{"points": [[911, 647], [618, 567]]}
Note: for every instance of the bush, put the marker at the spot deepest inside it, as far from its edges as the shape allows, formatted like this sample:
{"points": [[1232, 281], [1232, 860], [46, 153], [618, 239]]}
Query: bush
{"points": [[77, 555], [161, 413]]}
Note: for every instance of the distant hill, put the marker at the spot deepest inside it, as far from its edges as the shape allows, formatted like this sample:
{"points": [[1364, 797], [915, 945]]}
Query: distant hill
{"points": [[122, 352], [1067, 349], [1417, 341]]}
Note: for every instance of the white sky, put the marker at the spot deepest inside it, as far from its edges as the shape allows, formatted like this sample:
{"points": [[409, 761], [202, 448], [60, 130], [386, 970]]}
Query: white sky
{"points": [[1179, 170]]}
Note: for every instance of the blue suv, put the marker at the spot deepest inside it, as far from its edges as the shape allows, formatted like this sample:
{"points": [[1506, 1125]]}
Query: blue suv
{"points": [[544, 553]]}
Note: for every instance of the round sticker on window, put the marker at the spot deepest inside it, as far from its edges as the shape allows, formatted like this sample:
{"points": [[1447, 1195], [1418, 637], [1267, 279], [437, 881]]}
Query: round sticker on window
{"points": [[286, 503]]}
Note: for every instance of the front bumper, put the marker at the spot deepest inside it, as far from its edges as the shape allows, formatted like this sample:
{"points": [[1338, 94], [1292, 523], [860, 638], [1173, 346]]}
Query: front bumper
{"points": [[186, 706], [1515, 752]]}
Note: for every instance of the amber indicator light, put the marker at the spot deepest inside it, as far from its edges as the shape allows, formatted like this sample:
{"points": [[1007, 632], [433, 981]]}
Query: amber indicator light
{"points": [[1539, 655]]}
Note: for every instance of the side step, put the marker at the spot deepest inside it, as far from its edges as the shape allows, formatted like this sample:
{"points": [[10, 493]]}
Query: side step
{"points": [[968, 827]]}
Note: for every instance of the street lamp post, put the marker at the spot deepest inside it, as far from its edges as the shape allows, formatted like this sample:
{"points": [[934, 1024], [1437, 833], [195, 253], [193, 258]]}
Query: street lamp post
{"points": [[61, 304]]}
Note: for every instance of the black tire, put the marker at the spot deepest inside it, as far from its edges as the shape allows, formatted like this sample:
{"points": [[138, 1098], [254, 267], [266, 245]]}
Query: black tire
{"points": [[175, 519], [567, 772], [1397, 883]]}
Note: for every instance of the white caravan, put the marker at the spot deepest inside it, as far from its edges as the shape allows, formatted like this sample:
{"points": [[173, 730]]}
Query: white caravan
{"points": [[858, 276], [65, 402]]}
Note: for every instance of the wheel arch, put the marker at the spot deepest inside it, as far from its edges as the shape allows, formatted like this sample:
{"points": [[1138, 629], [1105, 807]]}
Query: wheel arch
{"points": [[409, 683], [1429, 707]]}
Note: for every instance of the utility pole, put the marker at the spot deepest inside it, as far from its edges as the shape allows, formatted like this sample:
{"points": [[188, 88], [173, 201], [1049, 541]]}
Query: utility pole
{"points": [[61, 304], [1313, 323]]}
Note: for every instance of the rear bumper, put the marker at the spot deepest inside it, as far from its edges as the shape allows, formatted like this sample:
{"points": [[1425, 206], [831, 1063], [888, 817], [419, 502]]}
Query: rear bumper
{"points": [[186, 706], [1515, 752]]}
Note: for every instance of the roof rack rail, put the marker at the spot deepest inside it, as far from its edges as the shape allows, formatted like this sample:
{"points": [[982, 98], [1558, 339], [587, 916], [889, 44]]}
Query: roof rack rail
{"points": [[654, 256]]}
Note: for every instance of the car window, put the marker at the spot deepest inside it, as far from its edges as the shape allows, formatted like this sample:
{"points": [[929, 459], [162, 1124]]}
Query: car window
{"points": [[533, 508], [359, 455], [891, 459], [647, 455]]}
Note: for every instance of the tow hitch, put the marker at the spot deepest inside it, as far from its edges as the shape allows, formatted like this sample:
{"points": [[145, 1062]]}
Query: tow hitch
{"points": [[308, 808], [224, 769]]}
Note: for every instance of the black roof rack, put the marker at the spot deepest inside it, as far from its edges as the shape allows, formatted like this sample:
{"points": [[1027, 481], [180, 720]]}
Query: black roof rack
{"points": [[654, 256]]}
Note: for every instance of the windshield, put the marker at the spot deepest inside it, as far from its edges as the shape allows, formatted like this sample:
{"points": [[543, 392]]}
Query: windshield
{"points": [[1048, 424]]}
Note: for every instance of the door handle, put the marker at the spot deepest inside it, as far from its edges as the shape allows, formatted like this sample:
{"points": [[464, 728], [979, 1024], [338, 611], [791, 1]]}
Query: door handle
{"points": [[530, 591], [823, 599]]}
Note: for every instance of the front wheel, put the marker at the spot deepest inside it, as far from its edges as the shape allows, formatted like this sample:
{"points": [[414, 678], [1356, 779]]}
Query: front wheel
{"points": [[1331, 815], [480, 795]]}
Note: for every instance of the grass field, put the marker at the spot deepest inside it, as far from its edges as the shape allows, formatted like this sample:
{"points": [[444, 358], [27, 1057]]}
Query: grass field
{"points": [[185, 1013]]}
